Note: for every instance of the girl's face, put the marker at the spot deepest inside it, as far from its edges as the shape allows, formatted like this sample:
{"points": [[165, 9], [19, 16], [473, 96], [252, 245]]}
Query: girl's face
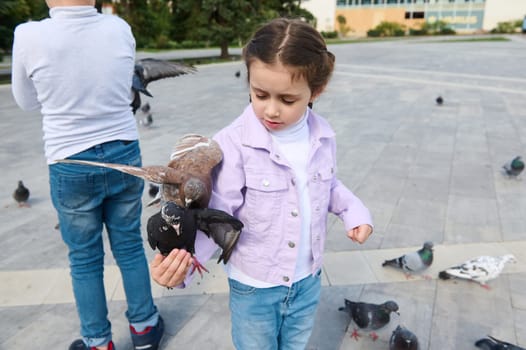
{"points": [[278, 101]]}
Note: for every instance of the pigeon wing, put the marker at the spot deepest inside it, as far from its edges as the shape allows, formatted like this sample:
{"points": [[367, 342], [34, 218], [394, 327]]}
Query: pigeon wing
{"points": [[413, 262], [151, 69], [480, 269], [196, 153], [223, 228], [157, 173]]}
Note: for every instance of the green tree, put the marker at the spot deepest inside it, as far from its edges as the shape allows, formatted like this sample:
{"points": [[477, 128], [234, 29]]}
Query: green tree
{"points": [[14, 12], [150, 20]]}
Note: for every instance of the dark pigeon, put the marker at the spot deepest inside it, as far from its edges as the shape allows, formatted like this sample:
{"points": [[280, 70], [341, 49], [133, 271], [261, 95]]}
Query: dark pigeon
{"points": [[439, 100], [151, 69], [515, 167], [403, 339], [491, 343], [176, 227], [369, 316], [413, 262], [21, 195], [238, 74]]}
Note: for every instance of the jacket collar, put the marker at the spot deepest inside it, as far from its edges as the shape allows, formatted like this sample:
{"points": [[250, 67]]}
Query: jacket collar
{"points": [[256, 135]]}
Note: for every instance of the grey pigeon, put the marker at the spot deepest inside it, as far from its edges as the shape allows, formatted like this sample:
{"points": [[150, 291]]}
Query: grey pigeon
{"points": [[416, 261], [151, 69], [369, 316], [146, 115], [238, 74], [439, 100], [481, 269], [21, 195], [491, 343], [515, 167], [403, 339]]}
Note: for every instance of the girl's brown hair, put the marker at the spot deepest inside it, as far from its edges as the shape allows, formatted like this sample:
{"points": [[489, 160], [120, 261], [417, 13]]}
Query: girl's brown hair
{"points": [[296, 45]]}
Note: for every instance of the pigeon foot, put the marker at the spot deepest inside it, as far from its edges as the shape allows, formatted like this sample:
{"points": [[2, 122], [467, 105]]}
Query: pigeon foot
{"points": [[355, 335], [373, 336], [199, 267]]}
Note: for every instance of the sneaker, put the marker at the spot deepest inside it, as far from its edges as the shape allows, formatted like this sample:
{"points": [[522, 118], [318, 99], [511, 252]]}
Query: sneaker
{"points": [[148, 339], [80, 345]]}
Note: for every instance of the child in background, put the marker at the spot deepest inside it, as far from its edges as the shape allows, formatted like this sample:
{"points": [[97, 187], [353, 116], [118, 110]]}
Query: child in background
{"points": [[278, 176]]}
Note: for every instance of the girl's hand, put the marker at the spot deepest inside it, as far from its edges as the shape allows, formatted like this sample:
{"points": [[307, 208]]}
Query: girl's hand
{"points": [[360, 233], [170, 270]]}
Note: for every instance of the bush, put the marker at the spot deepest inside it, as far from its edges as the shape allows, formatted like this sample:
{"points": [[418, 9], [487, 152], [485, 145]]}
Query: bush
{"points": [[507, 27], [386, 29], [329, 35]]}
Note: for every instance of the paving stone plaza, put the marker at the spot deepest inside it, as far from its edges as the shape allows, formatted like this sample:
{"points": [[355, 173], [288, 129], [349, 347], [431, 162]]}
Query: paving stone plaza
{"points": [[427, 173]]}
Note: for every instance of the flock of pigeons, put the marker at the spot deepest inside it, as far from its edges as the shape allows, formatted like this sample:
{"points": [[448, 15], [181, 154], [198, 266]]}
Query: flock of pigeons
{"points": [[371, 317], [183, 189]]}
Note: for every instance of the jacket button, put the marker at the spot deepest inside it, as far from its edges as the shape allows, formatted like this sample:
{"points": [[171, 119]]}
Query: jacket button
{"points": [[294, 212], [293, 182], [266, 182], [291, 244], [286, 279]]}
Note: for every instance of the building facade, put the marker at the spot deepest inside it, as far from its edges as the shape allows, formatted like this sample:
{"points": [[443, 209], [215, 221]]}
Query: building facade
{"points": [[464, 16]]}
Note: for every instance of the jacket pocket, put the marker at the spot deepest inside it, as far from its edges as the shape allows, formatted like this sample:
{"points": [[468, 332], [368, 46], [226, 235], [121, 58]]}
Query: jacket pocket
{"points": [[264, 195]]}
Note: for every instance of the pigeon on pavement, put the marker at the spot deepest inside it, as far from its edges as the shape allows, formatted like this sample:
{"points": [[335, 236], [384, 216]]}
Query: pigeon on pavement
{"points": [[21, 195], [491, 343], [439, 100], [515, 167], [416, 261], [369, 316], [176, 227], [403, 339], [146, 119], [151, 69], [481, 269]]}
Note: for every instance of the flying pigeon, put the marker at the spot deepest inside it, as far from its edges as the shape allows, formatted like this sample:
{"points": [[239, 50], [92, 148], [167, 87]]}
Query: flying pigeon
{"points": [[403, 339], [481, 269], [491, 343], [439, 100], [21, 195], [176, 227], [151, 69], [369, 316], [413, 262], [515, 167]]}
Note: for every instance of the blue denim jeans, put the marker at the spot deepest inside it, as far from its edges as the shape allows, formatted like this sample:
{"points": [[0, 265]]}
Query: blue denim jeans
{"points": [[274, 318], [86, 198]]}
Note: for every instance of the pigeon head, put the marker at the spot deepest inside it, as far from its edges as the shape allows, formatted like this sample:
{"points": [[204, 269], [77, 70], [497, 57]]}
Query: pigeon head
{"points": [[509, 258], [172, 214], [390, 306], [195, 190], [428, 245]]}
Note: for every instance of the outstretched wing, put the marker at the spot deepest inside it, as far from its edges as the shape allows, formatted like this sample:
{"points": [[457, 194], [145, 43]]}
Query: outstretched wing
{"points": [[157, 173], [150, 69], [223, 228]]}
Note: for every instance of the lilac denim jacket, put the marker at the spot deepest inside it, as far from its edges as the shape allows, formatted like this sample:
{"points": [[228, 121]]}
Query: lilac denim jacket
{"points": [[255, 184]]}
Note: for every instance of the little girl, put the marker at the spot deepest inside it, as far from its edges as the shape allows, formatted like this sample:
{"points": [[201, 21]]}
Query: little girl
{"points": [[278, 176]]}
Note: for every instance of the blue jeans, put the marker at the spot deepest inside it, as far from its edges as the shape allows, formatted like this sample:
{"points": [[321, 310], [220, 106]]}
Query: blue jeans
{"points": [[86, 198], [274, 318]]}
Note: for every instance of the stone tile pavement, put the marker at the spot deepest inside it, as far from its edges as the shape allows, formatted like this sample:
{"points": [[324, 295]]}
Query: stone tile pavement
{"points": [[426, 172]]}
